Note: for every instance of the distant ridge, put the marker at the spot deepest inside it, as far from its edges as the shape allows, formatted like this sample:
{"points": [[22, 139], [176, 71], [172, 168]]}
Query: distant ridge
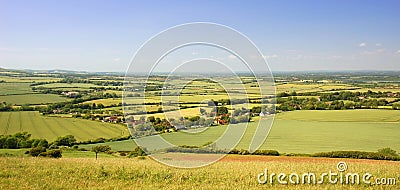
{"points": [[317, 72]]}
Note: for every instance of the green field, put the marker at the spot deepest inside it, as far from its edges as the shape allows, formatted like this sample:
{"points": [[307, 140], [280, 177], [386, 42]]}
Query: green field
{"points": [[15, 88], [21, 93], [28, 79], [67, 85], [32, 99], [52, 127], [309, 132]]}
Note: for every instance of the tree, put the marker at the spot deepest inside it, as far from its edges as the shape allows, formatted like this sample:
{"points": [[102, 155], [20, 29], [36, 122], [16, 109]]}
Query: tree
{"points": [[101, 148], [222, 110], [67, 140], [138, 152], [151, 119], [203, 111], [11, 142]]}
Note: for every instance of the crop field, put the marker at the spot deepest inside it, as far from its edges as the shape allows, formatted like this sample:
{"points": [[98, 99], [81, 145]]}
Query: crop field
{"points": [[28, 79], [21, 93], [68, 85], [304, 87], [232, 172], [105, 102], [15, 88], [52, 127], [363, 115], [32, 99]]}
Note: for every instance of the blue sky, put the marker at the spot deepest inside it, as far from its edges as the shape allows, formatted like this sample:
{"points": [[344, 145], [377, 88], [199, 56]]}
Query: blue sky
{"points": [[292, 35]]}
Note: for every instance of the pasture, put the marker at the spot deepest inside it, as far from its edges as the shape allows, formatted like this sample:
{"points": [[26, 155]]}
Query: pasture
{"points": [[51, 127]]}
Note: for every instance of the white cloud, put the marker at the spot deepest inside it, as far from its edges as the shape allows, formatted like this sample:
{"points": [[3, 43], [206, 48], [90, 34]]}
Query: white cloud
{"points": [[231, 56], [362, 44], [270, 56], [117, 59], [398, 51], [7, 49], [378, 44]]}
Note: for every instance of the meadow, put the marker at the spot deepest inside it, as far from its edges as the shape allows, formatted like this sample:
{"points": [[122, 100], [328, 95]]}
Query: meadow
{"points": [[52, 127], [232, 172]]}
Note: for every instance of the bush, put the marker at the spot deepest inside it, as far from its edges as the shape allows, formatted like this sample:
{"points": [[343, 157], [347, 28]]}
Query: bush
{"points": [[11, 142], [257, 152], [357, 155], [388, 152], [53, 146], [36, 151], [137, 152], [82, 149], [56, 153], [266, 152], [67, 140]]}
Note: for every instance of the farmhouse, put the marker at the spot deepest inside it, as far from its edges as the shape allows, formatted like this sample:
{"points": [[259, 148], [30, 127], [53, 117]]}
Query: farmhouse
{"points": [[112, 119], [180, 127], [70, 94]]}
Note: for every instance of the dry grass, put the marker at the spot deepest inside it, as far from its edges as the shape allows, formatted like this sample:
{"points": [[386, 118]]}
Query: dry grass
{"points": [[233, 172]]}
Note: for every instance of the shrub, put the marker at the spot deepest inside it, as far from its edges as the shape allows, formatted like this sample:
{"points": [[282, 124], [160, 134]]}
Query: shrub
{"points": [[56, 153], [67, 140], [82, 149], [358, 155], [388, 152], [137, 152], [36, 151], [53, 146], [266, 152]]}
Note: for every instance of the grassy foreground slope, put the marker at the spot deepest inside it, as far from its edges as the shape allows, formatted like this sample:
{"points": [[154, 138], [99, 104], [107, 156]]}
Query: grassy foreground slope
{"points": [[309, 132], [51, 127], [232, 172]]}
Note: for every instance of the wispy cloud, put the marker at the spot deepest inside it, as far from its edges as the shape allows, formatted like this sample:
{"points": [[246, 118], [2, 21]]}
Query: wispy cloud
{"points": [[7, 49], [270, 56], [398, 51], [378, 44], [117, 59], [363, 44], [42, 49], [231, 56]]}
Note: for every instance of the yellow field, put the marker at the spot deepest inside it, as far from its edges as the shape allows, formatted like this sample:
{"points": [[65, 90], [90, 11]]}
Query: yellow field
{"points": [[232, 172]]}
